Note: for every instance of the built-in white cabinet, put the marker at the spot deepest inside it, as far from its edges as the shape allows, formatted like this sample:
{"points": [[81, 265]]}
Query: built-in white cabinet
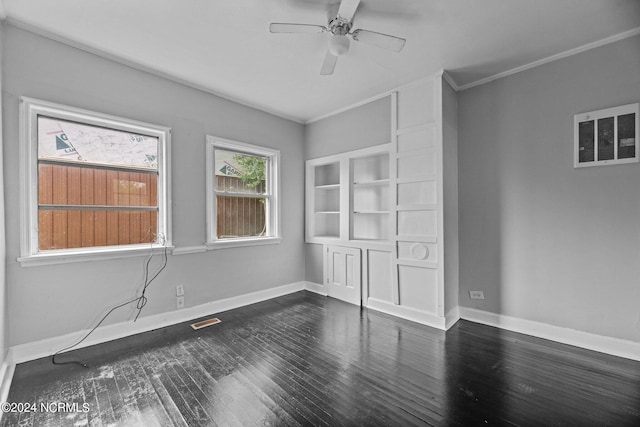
{"points": [[387, 204]]}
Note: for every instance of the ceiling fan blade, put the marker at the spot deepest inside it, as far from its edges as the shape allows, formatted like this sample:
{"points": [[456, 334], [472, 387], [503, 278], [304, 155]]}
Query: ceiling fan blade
{"points": [[329, 64], [348, 9], [278, 27], [384, 41]]}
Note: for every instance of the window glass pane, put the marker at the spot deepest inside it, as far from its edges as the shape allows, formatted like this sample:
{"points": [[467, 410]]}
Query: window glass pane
{"points": [[605, 139], [64, 184], [586, 140], [75, 228], [627, 136], [83, 170], [240, 217], [240, 173], [69, 141]]}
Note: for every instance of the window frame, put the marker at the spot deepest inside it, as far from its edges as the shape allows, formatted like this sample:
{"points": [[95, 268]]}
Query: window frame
{"points": [[30, 110], [273, 211], [594, 116]]}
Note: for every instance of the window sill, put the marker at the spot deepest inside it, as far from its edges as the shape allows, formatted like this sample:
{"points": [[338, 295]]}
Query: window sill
{"points": [[93, 254], [233, 243]]}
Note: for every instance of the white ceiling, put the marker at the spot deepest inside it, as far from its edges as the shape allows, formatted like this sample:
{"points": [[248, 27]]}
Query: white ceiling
{"points": [[224, 46]]}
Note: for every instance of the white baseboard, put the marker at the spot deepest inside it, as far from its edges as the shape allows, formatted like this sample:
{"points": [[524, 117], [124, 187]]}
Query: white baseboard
{"points": [[407, 313], [412, 314], [37, 349], [451, 317], [316, 288], [600, 343]]}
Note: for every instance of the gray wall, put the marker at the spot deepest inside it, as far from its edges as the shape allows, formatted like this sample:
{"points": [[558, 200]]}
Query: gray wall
{"points": [[360, 127], [70, 297], [4, 327], [544, 241]]}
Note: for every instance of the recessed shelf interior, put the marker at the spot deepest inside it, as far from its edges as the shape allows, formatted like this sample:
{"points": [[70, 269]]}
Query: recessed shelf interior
{"points": [[326, 225], [327, 199], [371, 198], [371, 168], [370, 226], [327, 175]]}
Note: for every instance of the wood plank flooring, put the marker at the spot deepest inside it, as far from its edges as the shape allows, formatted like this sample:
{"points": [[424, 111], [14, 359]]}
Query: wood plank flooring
{"points": [[303, 359]]}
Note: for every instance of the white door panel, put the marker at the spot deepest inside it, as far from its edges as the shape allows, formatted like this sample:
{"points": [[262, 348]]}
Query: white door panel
{"points": [[343, 273]]}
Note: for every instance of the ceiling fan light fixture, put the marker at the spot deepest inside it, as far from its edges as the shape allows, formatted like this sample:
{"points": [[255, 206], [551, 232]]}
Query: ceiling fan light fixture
{"points": [[338, 44]]}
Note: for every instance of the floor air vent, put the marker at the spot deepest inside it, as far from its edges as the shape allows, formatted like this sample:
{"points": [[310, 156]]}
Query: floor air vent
{"points": [[205, 323]]}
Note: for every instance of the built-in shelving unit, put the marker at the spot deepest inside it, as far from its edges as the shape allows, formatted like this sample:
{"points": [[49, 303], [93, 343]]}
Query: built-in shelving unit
{"points": [[348, 197], [370, 202], [326, 200], [383, 217]]}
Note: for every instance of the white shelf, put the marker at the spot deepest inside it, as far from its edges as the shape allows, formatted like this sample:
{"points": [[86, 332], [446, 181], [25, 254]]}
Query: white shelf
{"points": [[328, 187], [371, 212], [328, 212], [375, 183], [367, 240]]}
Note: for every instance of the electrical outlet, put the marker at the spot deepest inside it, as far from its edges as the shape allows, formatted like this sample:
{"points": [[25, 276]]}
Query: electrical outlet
{"points": [[180, 302], [179, 290], [476, 294]]}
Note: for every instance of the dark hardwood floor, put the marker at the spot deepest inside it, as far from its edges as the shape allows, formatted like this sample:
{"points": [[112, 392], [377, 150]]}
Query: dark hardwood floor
{"points": [[304, 359]]}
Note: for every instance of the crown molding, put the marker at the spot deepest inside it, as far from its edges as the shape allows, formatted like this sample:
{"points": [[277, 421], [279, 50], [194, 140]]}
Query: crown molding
{"points": [[552, 58], [381, 95], [447, 77]]}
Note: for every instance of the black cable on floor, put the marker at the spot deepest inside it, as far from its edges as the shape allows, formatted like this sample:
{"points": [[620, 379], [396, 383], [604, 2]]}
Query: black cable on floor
{"points": [[141, 302]]}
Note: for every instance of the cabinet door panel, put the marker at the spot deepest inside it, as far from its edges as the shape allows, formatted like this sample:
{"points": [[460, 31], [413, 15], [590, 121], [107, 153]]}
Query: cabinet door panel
{"points": [[417, 223], [379, 274], [418, 288], [419, 140], [416, 193], [343, 273], [416, 166]]}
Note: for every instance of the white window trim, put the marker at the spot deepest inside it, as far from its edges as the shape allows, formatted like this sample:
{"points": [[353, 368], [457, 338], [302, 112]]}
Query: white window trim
{"points": [[273, 182], [29, 254], [594, 116]]}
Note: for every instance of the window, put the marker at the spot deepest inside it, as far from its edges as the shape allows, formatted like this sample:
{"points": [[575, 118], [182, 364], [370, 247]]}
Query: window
{"points": [[242, 194], [92, 184], [607, 137]]}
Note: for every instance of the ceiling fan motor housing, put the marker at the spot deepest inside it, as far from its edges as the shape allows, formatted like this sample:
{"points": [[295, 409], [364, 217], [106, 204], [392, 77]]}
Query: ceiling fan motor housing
{"points": [[339, 27], [337, 24]]}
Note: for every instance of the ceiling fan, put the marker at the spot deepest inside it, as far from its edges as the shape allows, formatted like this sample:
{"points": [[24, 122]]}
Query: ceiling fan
{"points": [[340, 21]]}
